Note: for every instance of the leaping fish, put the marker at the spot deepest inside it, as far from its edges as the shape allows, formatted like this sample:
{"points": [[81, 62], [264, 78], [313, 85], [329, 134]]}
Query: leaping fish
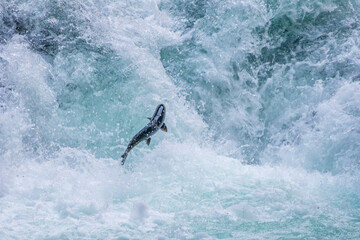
{"points": [[156, 123]]}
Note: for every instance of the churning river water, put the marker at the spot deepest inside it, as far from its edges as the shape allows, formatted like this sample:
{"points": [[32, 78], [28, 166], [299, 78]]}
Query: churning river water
{"points": [[263, 118]]}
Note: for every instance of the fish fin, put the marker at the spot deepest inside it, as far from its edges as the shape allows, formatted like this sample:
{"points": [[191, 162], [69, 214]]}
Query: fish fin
{"points": [[163, 127], [148, 141], [149, 118]]}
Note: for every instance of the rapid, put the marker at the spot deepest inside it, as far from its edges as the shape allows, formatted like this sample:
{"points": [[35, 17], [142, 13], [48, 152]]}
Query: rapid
{"points": [[263, 119]]}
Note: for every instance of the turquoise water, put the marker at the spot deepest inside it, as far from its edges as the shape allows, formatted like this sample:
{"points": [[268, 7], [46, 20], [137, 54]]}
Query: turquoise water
{"points": [[263, 117]]}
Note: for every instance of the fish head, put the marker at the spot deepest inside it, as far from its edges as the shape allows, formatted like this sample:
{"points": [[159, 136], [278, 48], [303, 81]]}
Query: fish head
{"points": [[159, 114]]}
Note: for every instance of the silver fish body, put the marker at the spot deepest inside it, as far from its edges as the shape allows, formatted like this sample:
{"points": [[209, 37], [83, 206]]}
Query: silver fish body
{"points": [[156, 123]]}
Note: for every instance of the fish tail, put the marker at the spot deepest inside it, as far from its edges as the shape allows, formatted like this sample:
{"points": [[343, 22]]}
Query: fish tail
{"points": [[123, 158]]}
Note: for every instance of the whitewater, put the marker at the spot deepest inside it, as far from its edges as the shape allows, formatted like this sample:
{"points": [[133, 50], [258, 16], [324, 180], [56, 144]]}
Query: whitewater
{"points": [[263, 119]]}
